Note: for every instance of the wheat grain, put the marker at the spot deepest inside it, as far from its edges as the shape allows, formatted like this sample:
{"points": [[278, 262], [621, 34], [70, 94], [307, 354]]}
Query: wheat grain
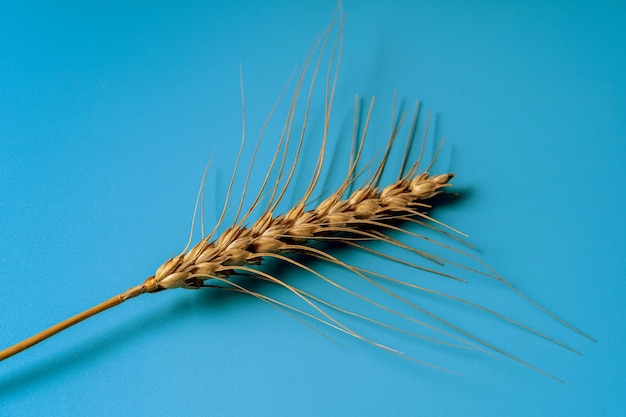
{"points": [[347, 216]]}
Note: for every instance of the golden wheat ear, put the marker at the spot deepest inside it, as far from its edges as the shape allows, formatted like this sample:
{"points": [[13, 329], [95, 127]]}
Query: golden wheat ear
{"points": [[359, 212]]}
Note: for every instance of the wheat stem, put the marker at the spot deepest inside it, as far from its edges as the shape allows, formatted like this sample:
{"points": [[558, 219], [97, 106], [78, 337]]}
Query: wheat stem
{"points": [[148, 286]]}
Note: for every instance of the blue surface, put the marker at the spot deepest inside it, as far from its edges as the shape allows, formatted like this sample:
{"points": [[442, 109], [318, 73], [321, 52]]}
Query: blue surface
{"points": [[109, 112]]}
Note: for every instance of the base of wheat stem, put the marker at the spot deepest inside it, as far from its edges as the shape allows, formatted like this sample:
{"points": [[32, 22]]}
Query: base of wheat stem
{"points": [[148, 286]]}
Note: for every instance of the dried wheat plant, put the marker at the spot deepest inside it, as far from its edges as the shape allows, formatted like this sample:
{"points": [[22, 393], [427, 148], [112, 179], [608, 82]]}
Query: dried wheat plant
{"points": [[358, 212]]}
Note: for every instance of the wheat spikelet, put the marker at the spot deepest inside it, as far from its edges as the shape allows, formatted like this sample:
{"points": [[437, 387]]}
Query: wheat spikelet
{"points": [[358, 211]]}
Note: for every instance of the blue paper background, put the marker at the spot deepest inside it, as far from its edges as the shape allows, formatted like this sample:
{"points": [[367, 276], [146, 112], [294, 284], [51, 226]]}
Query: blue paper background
{"points": [[110, 110]]}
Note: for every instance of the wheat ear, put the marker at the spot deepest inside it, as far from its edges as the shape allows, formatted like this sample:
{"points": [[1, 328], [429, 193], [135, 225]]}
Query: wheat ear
{"points": [[352, 215]]}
